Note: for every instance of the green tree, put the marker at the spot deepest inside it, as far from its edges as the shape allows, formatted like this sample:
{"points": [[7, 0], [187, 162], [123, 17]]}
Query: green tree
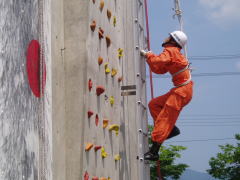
{"points": [[226, 165], [168, 155]]}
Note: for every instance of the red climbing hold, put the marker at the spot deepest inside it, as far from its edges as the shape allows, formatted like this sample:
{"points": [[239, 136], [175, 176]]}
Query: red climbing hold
{"points": [[86, 176], [95, 178], [90, 113], [34, 69], [96, 120], [96, 148], [90, 84], [100, 90]]}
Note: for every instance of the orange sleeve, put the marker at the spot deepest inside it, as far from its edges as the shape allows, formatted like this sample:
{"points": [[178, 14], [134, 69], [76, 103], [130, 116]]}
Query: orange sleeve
{"points": [[158, 63]]}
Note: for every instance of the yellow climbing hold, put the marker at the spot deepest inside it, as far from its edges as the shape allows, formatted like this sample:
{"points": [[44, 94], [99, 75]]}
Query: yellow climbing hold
{"points": [[88, 146], [105, 123], [120, 53], [117, 157], [114, 21], [103, 153], [112, 100], [107, 70], [115, 128], [114, 72]]}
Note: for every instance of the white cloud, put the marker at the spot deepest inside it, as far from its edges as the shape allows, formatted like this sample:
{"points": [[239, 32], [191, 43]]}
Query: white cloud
{"points": [[222, 11]]}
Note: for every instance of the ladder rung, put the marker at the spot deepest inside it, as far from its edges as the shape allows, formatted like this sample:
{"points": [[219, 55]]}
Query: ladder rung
{"points": [[128, 93], [128, 87]]}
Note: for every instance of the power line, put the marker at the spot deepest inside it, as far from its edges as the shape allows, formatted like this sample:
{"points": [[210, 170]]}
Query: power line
{"points": [[215, 57], [210, 115], [198, 140]]}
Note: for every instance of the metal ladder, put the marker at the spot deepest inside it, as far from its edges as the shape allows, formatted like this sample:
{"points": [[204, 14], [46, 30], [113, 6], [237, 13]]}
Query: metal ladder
{"points": [[140, 71]]}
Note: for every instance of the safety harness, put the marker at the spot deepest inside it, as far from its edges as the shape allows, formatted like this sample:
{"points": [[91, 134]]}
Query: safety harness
{"points": [[182, 70]]}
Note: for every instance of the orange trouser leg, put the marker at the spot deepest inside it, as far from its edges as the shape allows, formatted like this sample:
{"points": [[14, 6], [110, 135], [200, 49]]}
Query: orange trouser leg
{"points": [[164, 124], [156, 105]]}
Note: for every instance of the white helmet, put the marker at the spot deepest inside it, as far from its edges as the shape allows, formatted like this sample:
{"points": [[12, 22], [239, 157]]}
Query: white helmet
{"points": [[180, 37]]}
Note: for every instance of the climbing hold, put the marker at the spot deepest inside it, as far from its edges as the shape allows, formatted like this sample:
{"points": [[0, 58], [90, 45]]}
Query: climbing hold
{"points": [[34, 69], [96, 148], [93, 26], [95, 178], [90, 113], [88, 146], [86, 176], [115, 128], [103, 178], [100, 33], [105, 123], [107, 69], [93, 1], [101, 5], [114, 21], [120, 53], [109, 14], [100, 90], [100, 60], [96, 120], [106, 65], [108, 41], [103, 153], [114, 72], [117, 157], [111, 99], [90, 84], [120, 79]]}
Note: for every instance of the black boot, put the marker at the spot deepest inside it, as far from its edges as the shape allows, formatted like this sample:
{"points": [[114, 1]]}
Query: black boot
{"points": [[152, 154]]}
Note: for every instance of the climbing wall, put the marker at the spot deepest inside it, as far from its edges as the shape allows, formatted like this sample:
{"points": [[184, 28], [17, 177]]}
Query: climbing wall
{"points": [[111, 130]]}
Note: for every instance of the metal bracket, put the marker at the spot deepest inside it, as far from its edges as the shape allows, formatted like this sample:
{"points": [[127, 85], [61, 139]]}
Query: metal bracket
{"points": [[128, 93]]}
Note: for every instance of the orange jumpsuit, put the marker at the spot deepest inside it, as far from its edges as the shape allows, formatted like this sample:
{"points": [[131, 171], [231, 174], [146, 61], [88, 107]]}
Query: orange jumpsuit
{"points": [[166, 109]]}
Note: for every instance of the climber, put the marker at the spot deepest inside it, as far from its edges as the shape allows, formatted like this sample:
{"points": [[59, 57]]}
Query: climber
{"points": [[165, 109]]}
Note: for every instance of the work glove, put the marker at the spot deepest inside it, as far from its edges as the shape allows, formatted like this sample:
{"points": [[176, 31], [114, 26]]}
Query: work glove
{"points": [[144, 52]]}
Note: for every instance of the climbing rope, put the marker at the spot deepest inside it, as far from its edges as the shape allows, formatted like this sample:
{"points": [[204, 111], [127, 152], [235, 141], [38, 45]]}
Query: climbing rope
{"points": [[148, 46]]}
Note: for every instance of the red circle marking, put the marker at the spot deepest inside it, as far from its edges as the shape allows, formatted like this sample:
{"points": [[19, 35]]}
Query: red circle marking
{"points": [[33, 68]]}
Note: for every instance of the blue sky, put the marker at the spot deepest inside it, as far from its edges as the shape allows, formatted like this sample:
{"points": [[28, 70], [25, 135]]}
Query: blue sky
{"points": [[213, 28]]}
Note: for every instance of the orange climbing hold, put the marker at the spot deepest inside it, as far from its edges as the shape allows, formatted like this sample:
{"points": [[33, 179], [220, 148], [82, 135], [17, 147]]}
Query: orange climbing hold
{"points": [[100, 60], [100, 90], [90, 113], [95, 178], [100, 33], [96, 148], [88, 146], [101, 5], [86, 176], [109, 14], [105, 123], [90, 84], [108, 41], [96, 120], [93, 26]]}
